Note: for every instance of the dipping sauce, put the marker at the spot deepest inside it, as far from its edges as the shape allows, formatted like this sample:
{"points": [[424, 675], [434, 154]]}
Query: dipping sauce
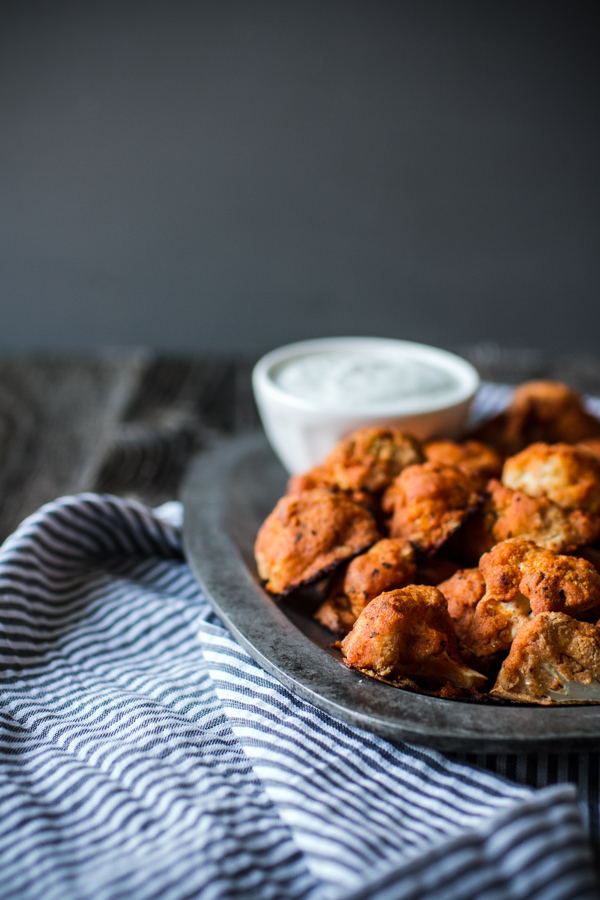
{"points": [[311, 394], [345, 378]]}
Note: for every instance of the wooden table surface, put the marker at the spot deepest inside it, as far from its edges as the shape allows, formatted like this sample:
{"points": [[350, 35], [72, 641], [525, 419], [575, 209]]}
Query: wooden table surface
{"points": [[128, 423]]}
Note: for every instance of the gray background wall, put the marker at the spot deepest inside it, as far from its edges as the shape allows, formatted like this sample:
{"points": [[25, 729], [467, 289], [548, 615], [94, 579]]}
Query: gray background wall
{"points": [[235, 175]]}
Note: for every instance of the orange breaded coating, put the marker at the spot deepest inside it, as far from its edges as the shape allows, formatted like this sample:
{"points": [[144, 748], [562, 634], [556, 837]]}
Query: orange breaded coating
{"points": [[509, 514], [463, 592], [367, 460], [336, 614], [476, 459], [539, 411], [406, 636], [554, 659], [591, 445], [521, 579], [567, 475], [428, 503], [307, 534], [387, 565], [306, 482]]}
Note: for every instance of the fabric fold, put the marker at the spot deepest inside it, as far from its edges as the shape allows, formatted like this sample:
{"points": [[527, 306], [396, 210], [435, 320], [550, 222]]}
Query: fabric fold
{"points": [[144, 754]]}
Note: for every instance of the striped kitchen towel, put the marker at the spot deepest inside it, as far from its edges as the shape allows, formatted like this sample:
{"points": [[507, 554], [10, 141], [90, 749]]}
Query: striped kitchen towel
{"points": [[143, 754]]}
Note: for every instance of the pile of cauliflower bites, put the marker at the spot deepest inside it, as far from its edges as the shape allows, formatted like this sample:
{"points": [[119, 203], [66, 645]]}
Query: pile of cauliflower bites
{"points": [[464, 570]]}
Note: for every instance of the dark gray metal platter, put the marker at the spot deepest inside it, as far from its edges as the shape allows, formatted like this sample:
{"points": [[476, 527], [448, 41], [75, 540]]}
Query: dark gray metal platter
{"points": [[229, 492]]}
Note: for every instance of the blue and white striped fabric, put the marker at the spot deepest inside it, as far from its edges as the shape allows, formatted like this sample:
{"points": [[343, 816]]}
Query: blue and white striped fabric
{"points": [[144, 755]]}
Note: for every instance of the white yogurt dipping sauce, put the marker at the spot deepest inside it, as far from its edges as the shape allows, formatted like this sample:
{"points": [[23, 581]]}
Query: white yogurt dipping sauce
{"points": [[360, 377], [313, 393]]}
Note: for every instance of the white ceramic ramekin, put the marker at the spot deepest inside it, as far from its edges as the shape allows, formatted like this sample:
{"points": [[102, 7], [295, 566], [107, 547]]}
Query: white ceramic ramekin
{"points": [[303, 431]]}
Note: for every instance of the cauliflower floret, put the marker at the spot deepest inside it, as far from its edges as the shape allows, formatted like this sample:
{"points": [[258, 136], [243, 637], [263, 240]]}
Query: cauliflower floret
{"points": [[522, 579], [367, 460], [307, 535], [567, 475], [514, 514], [478, 460], [387, 565], [428, 503], [406, 636], [539, 411], [336, 614], [554, 659], [591, 445], [463, 592]]}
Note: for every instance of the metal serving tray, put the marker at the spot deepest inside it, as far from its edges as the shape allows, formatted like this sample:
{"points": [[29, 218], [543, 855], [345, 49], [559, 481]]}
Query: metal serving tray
{"points": [[229, 492]]}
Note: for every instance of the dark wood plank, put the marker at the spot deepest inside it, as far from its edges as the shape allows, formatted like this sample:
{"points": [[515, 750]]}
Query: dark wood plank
{"points": [[180, 405], [57, 419], [130, 424]]}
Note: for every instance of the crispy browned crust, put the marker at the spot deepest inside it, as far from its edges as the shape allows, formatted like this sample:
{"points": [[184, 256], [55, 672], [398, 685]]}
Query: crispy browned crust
{"points": [[408, 634], [336, 614], [463, 592], [307, 481], [540, 411], [388, 564], [522, 579], [367, 460], [428, 503], [513, 514], [478, 460], [567, 475], [309, 533], [591, 445], [554, 659]]}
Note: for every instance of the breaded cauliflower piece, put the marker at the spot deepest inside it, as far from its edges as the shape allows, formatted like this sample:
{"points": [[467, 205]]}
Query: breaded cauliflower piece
{"points": [[428, 503], [463, 592], [389, 564], [567, 475], [406, 637], [335, 613], [307, 481], [591, 445], [478, 460], [367, 460], [307, 534], [509, 514], [522, 579], [554, 659], [539, 411]]}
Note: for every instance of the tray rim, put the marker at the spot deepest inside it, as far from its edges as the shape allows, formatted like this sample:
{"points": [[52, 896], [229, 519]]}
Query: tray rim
{"points": [[281, 649]]}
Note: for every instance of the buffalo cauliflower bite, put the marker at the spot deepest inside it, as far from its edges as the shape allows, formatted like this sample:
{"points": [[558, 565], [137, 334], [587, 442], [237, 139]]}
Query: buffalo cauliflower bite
{"points": [[567, 475], [428, 503], [539, 411], [591, 445], [478, 460], [367, 460], [388, 564], [406, 637], [554, 659], [514, 514], [336, 614], [463, 592], [522, 579], [307, 534]]}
